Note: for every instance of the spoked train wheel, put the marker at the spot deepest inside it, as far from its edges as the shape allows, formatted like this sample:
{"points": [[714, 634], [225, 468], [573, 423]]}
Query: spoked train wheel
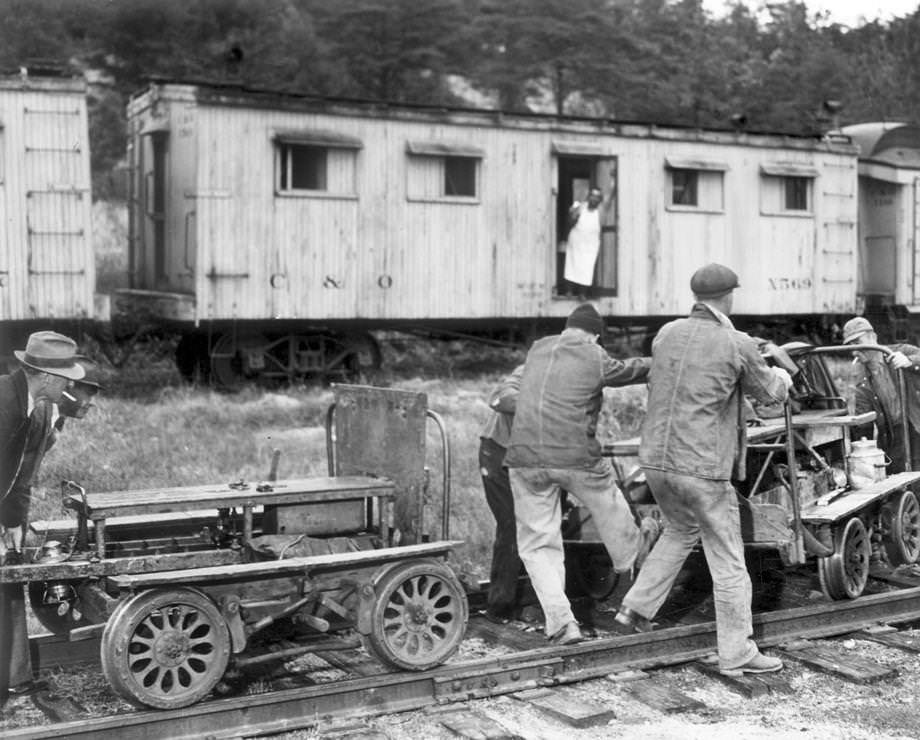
{"points": [[419, 616], [56, 606], [844, 574], [165, 648], [900, 525]]}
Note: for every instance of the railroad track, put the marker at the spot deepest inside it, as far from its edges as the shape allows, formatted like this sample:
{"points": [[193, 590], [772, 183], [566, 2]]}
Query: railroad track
{"points": [[531, 666]]}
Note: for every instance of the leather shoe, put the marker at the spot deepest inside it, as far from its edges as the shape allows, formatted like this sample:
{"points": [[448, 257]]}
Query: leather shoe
{"points": [[568, 635], [27, 688], [760, 663], [629, 622]]}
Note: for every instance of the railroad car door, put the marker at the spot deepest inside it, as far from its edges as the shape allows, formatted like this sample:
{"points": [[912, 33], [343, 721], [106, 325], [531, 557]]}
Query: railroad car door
{"points": [[154, 161], [576, 175], [605, 274], [5, 260], [879, 237], [915, 239]]}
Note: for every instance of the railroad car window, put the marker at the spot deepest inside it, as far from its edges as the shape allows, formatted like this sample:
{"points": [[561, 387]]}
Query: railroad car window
{"points": [[684, 187], [695, 189], [787, 189], [796, 193], [460, 176], [303, 167], [438, 176]]}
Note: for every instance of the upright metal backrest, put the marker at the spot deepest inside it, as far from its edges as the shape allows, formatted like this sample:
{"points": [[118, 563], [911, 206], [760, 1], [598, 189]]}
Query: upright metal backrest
{"points": [[381, 431]]}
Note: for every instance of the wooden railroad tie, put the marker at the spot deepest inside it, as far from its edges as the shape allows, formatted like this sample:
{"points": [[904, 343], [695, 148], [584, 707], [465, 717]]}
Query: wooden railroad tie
{"points": [[833, 659], [475, 726], [657, 694], [566, 708]]}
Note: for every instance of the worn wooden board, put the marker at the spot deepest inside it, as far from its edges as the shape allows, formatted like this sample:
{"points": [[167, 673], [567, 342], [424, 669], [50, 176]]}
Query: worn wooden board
{"points": [[664, 698], [626, 676], [900, 640], [474, 726], [833, 659], [59, 708], [567, 708], [353, 661], [508, 635]]}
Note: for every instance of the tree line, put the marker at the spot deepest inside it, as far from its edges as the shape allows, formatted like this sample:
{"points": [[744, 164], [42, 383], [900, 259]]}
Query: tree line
{"points": [[666, 61]]}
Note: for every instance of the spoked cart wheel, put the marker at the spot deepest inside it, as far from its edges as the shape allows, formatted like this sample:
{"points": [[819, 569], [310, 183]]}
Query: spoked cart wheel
{"points": [[419, 615], [165, 648], [900, 525], [844, 574]]}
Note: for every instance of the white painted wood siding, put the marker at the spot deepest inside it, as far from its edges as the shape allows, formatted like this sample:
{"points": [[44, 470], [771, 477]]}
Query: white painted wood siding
{"points": [[47, 267], [377, 253]]}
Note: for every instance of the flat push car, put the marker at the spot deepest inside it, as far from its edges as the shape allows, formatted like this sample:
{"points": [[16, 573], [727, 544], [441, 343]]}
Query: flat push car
{"points": [[814, 492], [184, 582]]}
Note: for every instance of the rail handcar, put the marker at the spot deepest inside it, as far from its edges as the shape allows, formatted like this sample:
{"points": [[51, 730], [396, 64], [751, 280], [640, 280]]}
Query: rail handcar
{"points": [[274, 230], [47, 267], [810, 495], [183, 583]]}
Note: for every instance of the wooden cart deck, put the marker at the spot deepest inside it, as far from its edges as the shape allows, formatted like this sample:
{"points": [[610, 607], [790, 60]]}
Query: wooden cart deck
{"points": [[98, 507]]}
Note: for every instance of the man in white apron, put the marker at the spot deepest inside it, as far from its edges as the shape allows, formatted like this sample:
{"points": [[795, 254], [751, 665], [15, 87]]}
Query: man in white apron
{"points": [[583, 243]]}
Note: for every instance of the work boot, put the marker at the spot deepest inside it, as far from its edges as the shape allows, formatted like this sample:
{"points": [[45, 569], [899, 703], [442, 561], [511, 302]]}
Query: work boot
{"points": [[568, 635], [630, 622], [760, 663]]}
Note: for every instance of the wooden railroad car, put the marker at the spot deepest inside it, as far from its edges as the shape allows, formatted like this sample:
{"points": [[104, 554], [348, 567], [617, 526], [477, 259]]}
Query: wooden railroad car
{"points": [[274, 230], [47, 267], [183, 583], [889, 225]]}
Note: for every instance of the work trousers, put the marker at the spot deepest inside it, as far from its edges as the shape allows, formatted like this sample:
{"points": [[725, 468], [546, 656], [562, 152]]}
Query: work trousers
{"points": [[506, 564], [15, 660], [695, 509], [538, 512]]}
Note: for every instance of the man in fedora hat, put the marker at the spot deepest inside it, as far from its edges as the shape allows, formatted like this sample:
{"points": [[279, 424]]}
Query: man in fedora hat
{"points": [[553, 447], [692, 439], [28, 398], [877, 390]]}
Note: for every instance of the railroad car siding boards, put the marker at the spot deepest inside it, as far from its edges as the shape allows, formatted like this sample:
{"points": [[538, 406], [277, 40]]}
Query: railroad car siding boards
{"points": [[47, 268], [379, 240]]}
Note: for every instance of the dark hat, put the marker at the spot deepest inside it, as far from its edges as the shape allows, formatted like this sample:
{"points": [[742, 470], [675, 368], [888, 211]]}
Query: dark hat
{"points": [[713, 281], [855, 328], [51, 353], [92, 374], [586, 317]]}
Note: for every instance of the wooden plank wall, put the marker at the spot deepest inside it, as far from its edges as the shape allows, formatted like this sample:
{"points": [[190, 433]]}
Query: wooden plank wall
{"points": [[369, 250], [47, 267]]}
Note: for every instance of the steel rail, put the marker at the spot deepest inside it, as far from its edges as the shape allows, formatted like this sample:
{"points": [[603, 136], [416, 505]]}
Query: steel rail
{"points": [[293, 709]]}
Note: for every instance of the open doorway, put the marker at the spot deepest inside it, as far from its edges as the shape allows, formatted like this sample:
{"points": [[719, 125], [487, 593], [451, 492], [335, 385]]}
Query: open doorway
{"points": [[576, 176]]}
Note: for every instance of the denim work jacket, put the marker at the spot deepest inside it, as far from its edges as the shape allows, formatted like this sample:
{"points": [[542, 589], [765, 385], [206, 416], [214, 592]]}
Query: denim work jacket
{"points": [[561, 393], [701, 367]]}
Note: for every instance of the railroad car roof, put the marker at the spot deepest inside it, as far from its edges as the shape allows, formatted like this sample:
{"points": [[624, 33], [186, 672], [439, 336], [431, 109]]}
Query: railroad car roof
{"points": [[892, 142], [230, 95]]}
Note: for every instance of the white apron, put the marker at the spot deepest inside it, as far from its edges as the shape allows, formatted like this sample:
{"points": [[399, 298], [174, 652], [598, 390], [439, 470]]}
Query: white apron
{"points": [[583, 244]]}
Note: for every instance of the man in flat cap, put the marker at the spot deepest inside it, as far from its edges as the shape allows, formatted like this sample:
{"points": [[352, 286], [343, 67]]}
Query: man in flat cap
{"points": [[553, 448], [28, 407], [877, 390], [692, 437]]}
